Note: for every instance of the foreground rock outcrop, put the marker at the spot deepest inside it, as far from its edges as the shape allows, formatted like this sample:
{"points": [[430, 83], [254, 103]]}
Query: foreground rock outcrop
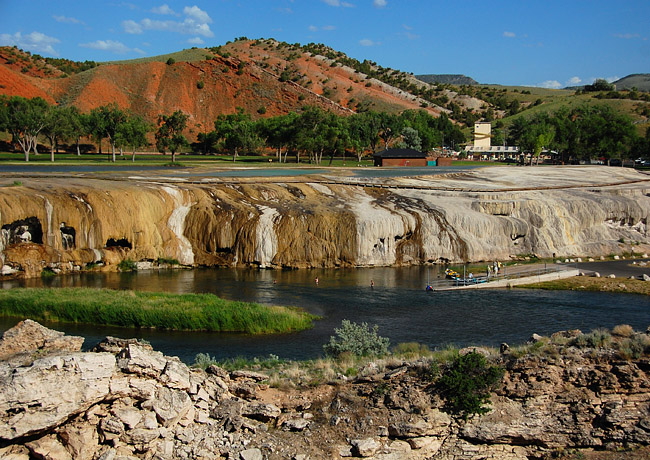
{"points": [[72, 223], [124, 400]]}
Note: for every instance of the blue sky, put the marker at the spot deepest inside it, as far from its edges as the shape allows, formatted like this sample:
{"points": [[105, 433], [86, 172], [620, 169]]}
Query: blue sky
{"points": [[525, 42]]}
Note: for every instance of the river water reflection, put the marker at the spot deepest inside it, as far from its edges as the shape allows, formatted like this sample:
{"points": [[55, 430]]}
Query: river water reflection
{"points": [[397, 303]]}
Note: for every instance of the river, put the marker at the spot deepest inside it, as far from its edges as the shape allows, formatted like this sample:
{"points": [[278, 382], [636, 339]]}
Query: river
{"points": [[398, 304]]}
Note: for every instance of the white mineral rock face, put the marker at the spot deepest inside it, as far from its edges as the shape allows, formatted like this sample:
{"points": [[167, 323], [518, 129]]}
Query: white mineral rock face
{"points": [[176, 223], [491, 213], [266, 241]]}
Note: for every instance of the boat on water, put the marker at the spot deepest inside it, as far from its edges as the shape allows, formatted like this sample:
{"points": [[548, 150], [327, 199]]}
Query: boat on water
{"points": [[462, 281]]}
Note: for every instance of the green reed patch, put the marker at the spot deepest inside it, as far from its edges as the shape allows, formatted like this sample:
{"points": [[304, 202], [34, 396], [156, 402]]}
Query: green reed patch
{"points": [[191, 312]]}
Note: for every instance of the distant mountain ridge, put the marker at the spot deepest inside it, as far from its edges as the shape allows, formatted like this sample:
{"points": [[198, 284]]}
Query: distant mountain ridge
{"points": [[447, 79]]}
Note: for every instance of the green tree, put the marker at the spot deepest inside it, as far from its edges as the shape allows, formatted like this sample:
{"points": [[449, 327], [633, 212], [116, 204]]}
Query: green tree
{"points": [[389, 127], [25, 119], [311, 133], [411, 139], [58, 126], [278, 133], [105, 122], [237, 132], [78, 124], [169, 135], [133, 133]]}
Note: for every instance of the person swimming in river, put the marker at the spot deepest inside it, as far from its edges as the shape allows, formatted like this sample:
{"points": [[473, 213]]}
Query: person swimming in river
{"points": [[316, 280], [372, 283]]}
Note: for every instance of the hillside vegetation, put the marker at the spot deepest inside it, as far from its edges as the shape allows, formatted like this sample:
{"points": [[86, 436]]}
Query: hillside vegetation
{"points": [[266, 78]]}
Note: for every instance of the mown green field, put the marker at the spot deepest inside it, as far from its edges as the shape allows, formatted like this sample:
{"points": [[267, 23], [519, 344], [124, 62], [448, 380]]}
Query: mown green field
{"points": [[181, 312], [182, 159]]}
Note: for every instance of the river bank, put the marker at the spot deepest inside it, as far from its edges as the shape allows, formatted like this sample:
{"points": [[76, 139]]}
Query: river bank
{"points": [[570, 392], [584, 283]]}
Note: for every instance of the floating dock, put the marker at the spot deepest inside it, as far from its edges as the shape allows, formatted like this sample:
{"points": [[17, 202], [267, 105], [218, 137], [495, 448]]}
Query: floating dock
{"points": [[515, 278]]}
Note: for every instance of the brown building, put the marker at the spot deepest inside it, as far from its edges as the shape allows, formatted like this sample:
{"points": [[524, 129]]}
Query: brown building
{"points": [[400, 157]]}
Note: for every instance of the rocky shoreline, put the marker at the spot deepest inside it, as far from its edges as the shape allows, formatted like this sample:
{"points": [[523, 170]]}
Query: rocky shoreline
{"points": [[123, 400]]}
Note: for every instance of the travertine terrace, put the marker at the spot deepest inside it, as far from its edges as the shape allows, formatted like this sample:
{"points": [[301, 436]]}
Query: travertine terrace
{"points": [[319, 220]]}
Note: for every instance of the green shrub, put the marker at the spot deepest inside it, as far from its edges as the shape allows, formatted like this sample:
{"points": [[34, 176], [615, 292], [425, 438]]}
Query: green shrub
{"points": [[467, 383], [47, 273], [203, 360], [127, 265], [167, 261], [171, 61], [200, 84], [357, 339]]}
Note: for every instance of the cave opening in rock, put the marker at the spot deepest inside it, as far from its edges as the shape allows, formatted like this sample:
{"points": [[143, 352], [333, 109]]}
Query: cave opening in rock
{"points": [[28, 230], [68, 236], [120, 243]]}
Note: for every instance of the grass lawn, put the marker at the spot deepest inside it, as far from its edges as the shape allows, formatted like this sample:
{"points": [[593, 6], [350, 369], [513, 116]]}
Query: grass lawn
{"points": [[182, 159]]}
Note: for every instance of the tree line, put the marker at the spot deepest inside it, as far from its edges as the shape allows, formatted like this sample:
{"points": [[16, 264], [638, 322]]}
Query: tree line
{"points": [[577, 133], [312, 132]]}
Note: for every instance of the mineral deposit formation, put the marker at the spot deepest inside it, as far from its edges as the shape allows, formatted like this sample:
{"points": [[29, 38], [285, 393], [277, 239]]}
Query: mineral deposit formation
{"points": [[68, 223]]}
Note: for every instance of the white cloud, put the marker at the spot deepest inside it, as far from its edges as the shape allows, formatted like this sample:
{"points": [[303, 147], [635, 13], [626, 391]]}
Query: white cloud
{"points": [[107, 45], [509, 34], [613, 79], [552, 84], [313, 28], [338, 3], [627, 36], [197, 14], [34, 42], [66, 20], [196, 41], [131, 27], [367, 42], [573, 81], [164, 10], [196, 22], [379, 3]]}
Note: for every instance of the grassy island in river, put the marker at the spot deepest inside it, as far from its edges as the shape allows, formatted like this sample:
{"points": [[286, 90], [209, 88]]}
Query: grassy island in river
{"points": [[188, 312]]}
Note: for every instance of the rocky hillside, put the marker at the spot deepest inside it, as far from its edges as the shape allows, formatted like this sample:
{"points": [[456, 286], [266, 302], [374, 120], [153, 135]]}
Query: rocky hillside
{"points": [[265, 77], [69, 223], [123, 400]]}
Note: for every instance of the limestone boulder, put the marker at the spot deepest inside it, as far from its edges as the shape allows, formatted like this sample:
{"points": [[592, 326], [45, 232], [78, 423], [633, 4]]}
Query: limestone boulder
{"points": [[39, 397], [171, 405], [29, 336]]}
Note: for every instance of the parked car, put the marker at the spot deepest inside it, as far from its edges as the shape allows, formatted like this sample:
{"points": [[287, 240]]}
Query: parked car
{"points": [[615, 162]]}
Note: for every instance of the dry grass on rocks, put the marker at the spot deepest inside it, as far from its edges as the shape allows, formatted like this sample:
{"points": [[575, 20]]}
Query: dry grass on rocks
{"points": [[584, 283]]}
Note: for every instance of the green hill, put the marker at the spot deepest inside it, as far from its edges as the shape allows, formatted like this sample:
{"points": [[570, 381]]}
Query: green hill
{"points": [[447, 79], [640, 81]]}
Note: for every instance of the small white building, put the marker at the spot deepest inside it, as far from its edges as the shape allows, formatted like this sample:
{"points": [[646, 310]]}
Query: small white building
{"points": [[483, 148]]}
